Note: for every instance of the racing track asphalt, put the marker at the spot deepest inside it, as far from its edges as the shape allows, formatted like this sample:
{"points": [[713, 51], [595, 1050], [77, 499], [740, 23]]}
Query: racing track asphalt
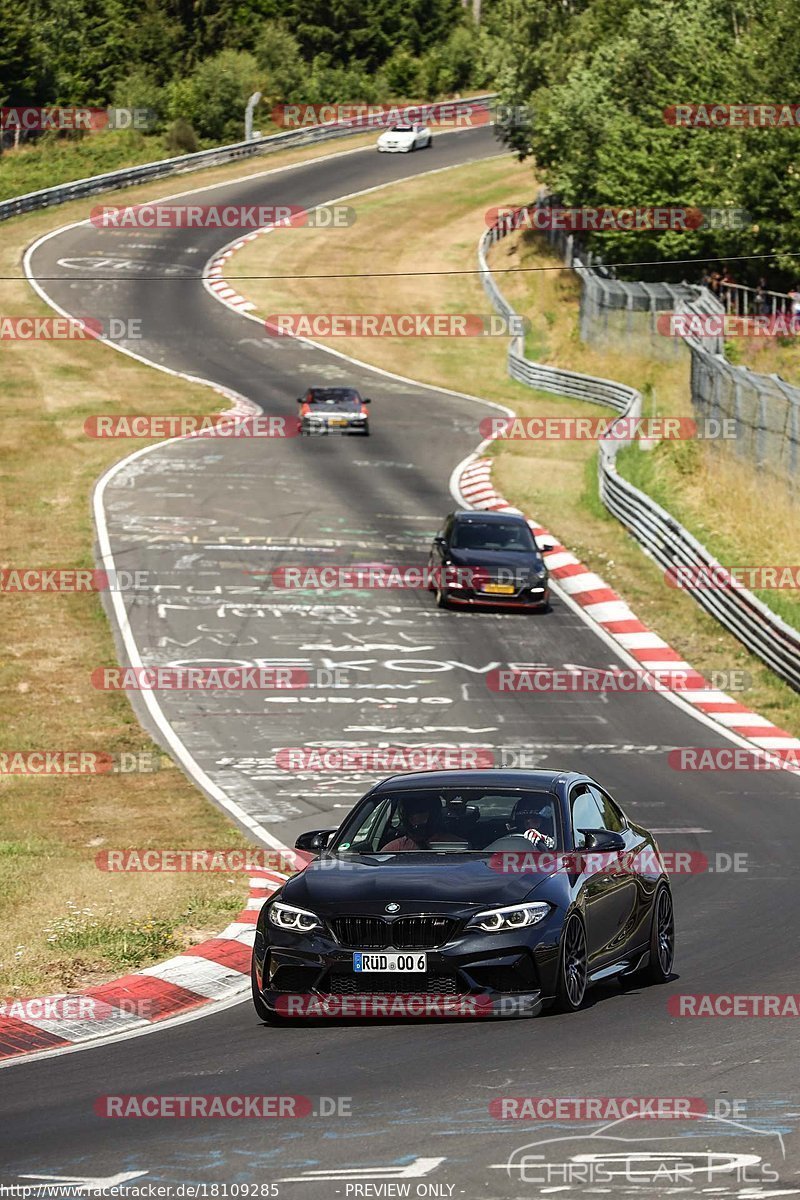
{"points": [[201, 517]]}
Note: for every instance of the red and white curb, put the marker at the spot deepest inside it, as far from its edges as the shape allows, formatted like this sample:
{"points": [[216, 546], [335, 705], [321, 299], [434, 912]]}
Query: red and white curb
{"points": [[605, 607], [217, 282], [212, 972]]}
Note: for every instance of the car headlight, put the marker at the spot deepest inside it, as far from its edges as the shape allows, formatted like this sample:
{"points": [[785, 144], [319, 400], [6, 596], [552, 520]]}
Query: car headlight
{"points": [[515, 916], [298, 920]]}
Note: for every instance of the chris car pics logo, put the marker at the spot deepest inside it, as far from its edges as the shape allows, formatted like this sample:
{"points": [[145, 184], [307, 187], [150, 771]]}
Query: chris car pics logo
{"points": [[731, 1158]]}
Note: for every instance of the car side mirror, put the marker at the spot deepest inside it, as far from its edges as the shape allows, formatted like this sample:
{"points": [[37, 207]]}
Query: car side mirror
{"points": [[440, 541], [602, 839], [314, 840], [546, 547], [301, 400], [366, 400]]}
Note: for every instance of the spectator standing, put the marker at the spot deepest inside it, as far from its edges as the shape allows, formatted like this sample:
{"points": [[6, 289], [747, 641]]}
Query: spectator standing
{"points": [[762, 306]]}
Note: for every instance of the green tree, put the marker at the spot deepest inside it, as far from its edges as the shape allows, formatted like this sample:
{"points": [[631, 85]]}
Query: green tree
{"points": [[213, 97], [23, 71], [277, 54]]}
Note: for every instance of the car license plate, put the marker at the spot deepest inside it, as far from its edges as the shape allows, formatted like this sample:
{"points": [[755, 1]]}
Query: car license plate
{"points": [[499, 589], [365, 962], [338, 421]]}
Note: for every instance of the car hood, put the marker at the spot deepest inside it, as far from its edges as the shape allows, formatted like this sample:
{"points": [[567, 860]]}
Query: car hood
{"points": [[367, 883], [494, 559], [330, 410], [390, 136]]}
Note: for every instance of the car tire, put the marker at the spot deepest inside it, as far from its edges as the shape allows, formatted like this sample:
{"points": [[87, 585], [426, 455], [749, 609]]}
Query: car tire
{"points": [[572, 967], [662, 938], [263, 1013], [366, 431]]}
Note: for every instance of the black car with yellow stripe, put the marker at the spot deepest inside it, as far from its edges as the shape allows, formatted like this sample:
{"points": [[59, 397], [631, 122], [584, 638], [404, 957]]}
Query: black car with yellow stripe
{"points": [[486, 559]]}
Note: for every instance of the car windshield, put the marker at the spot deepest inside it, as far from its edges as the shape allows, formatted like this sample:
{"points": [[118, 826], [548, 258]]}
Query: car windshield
{"points": [[334, 398], [452, 820], [402, 129], [492, 535]]}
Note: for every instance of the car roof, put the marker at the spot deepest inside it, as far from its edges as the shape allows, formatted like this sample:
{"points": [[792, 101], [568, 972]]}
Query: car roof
{"points": [[480, 515], [544, 780]]}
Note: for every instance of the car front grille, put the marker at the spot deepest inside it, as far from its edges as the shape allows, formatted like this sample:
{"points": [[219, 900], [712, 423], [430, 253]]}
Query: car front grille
{"points": [[404, 933], [390, 985]]}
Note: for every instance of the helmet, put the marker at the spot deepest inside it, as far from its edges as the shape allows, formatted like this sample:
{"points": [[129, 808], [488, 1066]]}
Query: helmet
{"points": [[419, 811], [531, 813]]}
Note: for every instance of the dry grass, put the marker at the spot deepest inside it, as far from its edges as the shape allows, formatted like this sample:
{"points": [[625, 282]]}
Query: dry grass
{"points": [[555, 481], [426, 224], [767, 356], [64, 922]]}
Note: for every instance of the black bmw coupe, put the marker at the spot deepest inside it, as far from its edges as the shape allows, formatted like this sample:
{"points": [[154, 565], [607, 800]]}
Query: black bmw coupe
{"points": [[494, 892]]}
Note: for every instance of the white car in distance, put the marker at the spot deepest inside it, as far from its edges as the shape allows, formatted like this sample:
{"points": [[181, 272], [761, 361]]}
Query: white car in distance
{"points": [[401, 139]]}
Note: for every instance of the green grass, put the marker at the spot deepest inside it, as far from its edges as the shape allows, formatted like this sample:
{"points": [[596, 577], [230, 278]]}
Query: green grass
{"points": [[658, 473], [60, 160]]}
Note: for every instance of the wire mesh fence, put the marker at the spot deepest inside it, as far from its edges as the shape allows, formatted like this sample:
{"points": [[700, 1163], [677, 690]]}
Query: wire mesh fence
{"points": [[763, 411], [663, 538]]}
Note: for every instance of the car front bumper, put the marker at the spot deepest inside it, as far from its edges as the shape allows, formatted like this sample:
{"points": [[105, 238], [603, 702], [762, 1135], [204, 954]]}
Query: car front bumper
{"points": [[478, 975], [324, 427], [526, 598]]}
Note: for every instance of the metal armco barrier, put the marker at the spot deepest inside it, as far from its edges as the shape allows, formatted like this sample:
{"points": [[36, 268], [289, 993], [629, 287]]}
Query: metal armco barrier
{"points": [[128, 176], [661, 536]]}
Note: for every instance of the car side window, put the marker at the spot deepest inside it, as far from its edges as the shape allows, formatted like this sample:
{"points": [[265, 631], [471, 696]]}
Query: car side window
{"points": [[612, 817], [370, 833], [586, 813]]}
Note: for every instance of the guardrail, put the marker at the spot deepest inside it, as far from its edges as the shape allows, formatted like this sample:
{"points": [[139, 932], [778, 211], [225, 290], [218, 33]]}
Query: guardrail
{"points": [[662, 537], [128, 176]]}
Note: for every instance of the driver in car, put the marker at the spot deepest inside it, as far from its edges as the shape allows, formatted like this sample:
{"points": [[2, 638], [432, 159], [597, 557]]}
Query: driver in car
{"points": [[418, 819], [532, 821]]}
